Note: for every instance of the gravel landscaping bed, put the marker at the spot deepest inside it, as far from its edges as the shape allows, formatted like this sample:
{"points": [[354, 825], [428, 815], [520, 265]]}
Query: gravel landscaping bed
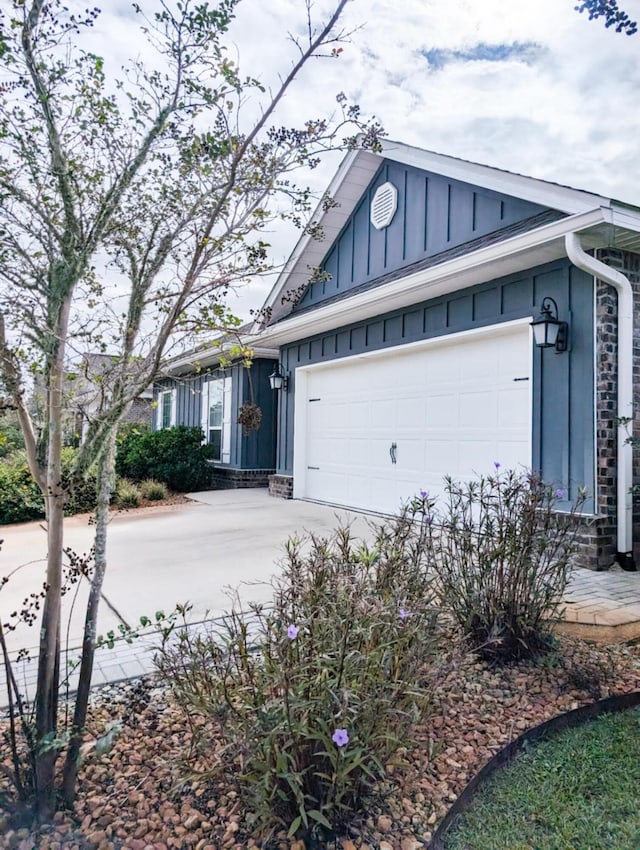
{"points": [[134, 797]]}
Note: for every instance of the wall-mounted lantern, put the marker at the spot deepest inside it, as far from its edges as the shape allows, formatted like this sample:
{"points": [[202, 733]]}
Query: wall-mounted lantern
{"points": [[277, 380], [548, 330]]}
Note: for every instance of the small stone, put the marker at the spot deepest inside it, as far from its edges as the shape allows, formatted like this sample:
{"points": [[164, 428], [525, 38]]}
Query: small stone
{"points": [[410, 843], [192, 821], [384, 845], [385, 824]]}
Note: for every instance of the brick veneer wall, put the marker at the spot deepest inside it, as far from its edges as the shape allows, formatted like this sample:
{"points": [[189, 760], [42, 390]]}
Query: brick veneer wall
{"points": [[236, 479], [597, 543], [281, 486]]}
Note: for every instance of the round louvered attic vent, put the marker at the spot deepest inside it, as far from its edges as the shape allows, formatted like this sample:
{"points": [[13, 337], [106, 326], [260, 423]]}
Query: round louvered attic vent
{"points": [[384, 205]]}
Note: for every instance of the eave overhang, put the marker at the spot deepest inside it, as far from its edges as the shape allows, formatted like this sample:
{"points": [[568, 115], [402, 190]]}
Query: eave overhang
{"points": [[606, 226], [198, 361]]}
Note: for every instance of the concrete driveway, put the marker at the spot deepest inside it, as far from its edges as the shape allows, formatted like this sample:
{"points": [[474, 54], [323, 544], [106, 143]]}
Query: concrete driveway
{"points": [[166, 555]]}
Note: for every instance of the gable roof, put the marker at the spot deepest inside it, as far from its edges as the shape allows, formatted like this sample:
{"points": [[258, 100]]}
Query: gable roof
{"points": [[358, 169]]}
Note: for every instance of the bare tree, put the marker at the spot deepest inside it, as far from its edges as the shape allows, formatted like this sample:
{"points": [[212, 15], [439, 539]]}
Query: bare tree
{"points": [[128, 205]]}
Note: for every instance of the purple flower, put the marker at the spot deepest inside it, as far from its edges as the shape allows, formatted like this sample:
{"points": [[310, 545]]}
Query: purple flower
{"points": [[292, 631], [340, 737], [423, 494], [428, 519], [559, 493], [497, 464], [403, 613]]}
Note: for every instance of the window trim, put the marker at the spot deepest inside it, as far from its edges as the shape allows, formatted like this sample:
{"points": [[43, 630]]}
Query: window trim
{"points": [[172, 393], [225, 423]]}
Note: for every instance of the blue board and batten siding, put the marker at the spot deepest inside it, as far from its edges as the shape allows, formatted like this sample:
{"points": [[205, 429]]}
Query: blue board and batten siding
{"points": [[563, 384], [258, 450], [434, 214], [255, 451]]}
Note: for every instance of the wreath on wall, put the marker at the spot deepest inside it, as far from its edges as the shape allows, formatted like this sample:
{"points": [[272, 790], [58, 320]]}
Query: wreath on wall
{"points": [[250, 417]]}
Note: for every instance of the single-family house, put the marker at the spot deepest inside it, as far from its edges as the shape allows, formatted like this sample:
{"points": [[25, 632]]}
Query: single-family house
{"points": [[440, 317], [208, 387]]}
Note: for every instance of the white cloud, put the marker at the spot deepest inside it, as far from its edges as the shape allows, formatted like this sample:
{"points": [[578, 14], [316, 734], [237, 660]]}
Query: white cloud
{"points": [[566, 110]]}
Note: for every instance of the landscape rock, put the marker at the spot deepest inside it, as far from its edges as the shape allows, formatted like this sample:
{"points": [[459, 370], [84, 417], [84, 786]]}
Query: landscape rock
{"points": [[127, 799]]}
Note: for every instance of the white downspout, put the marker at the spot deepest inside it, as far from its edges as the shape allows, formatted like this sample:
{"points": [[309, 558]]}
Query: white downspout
{"points": [[621, 284]]}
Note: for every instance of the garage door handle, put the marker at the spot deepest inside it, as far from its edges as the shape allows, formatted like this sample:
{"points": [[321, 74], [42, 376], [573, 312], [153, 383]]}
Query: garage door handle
{"points": [[392, 452]]}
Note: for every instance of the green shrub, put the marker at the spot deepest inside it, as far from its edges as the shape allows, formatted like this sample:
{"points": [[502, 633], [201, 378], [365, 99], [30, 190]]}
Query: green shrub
{"points": [[81, 490], [502, 557], [127, 494], [10, 434], [175, 456], [302, 705], [153, 490], [20, 496]]}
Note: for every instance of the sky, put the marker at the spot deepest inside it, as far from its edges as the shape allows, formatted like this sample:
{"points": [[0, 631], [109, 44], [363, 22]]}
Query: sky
{"points": [[525, 85]]}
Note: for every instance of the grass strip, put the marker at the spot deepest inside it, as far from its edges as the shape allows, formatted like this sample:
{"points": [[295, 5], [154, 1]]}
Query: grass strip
{"points": [[578, 790]]}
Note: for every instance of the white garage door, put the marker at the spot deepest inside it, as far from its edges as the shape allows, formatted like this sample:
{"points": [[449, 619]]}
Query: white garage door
{"points": [[373, 431]]}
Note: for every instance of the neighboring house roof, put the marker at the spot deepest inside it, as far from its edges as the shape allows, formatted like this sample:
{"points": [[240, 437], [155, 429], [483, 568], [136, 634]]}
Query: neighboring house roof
{"points": [[91, 379], [599, 220]]}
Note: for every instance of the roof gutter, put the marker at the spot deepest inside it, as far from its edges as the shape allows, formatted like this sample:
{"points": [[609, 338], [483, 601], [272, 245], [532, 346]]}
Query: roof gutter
{"points": [[212, 356], [621, 284]]}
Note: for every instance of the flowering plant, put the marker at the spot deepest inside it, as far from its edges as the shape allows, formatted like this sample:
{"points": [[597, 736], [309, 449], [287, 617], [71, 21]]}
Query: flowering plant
{"points": [[503, 559], [302, 705]]}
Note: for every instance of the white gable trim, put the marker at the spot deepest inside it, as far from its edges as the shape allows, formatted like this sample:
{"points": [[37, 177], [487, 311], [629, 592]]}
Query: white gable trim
{"points": [[355, 173], [563, 198]]}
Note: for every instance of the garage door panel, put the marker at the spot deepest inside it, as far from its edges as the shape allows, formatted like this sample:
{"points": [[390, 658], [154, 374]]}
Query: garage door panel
{"points": [[441, 456], [510, 409], [478, 409], [441, 370], [476, 457], [410, 454], [509, 454], [359, 414], [451, 408], [479, 363], [441, 410], [408, 409]]}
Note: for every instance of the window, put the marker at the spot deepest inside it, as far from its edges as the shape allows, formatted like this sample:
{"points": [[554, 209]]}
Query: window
{"points": [[213, 430], [216, 417], [167, 409]]}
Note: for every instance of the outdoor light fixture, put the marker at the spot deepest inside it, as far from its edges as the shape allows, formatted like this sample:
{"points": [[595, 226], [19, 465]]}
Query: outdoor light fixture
{"points": [[277, 380], [548, 331]]}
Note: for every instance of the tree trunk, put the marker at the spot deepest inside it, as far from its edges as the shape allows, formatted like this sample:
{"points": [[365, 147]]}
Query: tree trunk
{"points": [[106, 473], [46, 700], [49, 654]]}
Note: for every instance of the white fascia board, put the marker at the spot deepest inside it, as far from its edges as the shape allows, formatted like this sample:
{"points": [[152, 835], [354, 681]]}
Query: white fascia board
{"points": [[624, 217], [563, 198], [493, 261], [359, 166], [212, 356]]}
